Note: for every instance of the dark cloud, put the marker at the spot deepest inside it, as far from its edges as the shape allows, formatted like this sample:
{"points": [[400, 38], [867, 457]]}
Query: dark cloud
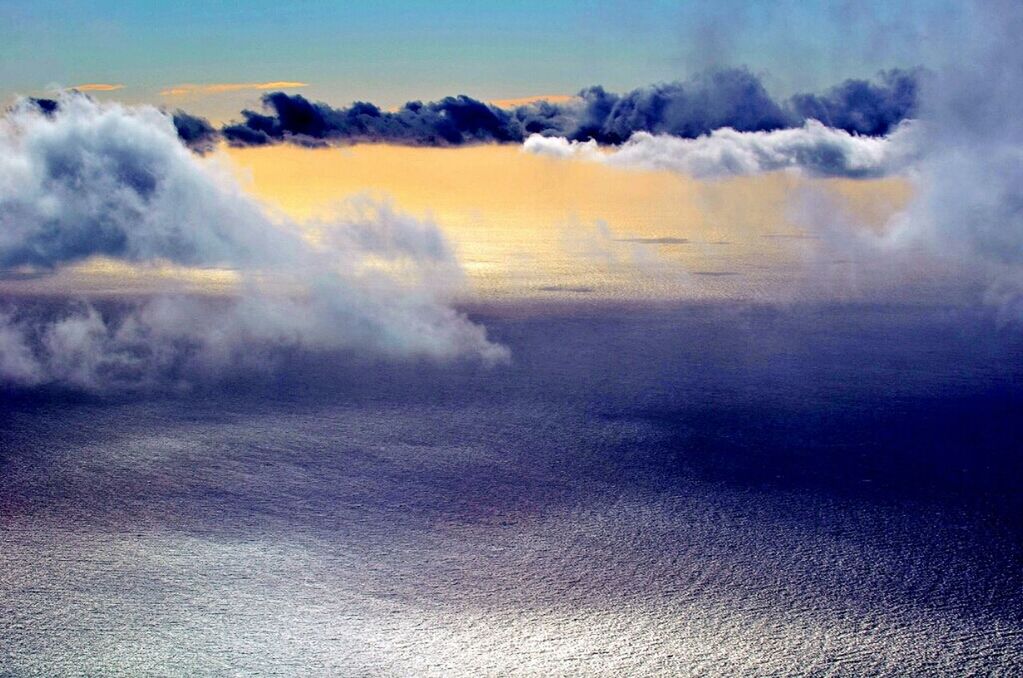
{"points": [[47, 106], [733, 98], [862, 106], [452, 121], [197, 133], [726, 98]]}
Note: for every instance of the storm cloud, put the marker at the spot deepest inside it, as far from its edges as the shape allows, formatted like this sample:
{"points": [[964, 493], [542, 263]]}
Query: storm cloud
{"points": [[91, 180]]}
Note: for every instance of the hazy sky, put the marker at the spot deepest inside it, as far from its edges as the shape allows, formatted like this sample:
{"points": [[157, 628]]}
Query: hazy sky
{"points": [[389, 51]]}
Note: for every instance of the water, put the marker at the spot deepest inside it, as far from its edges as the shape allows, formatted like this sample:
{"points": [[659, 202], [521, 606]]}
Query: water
{"points": [[683, 489]]}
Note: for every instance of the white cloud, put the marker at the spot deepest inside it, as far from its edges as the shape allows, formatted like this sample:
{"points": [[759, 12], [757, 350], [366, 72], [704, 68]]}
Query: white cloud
{"points": [[109, 181], [814, 148]]}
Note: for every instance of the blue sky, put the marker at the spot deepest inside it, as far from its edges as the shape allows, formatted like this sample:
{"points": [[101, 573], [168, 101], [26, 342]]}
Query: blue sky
{"points": [[389, 51]]}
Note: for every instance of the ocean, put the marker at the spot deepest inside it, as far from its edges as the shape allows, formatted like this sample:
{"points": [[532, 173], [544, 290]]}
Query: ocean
{"points": [[646, 489]]}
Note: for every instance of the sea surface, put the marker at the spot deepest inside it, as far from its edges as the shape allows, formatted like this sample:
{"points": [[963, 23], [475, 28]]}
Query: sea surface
{"points": [[647, 489]]}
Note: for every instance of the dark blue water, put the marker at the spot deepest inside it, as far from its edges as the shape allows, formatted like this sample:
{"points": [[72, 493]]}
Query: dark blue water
{"points": [[675, 490]]}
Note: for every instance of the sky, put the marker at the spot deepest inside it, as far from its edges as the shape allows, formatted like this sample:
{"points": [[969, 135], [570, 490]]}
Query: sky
{"points": [[695, 176], [390, 52]]}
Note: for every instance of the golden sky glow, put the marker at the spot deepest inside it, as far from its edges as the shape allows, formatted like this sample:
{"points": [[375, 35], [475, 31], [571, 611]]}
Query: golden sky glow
{"points": [[525, 224], [98, 87], [521, 101]]}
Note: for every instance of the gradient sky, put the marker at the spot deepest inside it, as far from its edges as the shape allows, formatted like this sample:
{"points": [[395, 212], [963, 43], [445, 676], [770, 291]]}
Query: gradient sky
{"points": [[391, 51]]}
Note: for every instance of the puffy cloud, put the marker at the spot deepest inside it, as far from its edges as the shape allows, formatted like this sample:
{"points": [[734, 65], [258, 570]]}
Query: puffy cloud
{"points": [[91, 180], [815, 148]]}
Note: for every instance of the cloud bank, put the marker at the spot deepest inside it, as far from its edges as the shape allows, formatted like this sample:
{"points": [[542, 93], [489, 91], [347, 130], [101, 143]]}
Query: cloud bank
{"points": [[722, 99], [732, 98], [88, 180]]}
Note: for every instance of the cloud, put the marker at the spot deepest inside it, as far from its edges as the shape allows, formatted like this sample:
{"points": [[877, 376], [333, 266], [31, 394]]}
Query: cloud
{"points": [[725, 98], [864, 107], [449, 122], [969, 180], [194, 131], [91, 180], [962, 229], [197, 133], [98, 87], [814, 148], [218, 88]]}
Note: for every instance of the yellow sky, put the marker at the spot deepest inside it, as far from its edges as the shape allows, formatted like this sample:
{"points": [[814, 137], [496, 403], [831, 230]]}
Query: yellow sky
{"points": [[524, 224]]}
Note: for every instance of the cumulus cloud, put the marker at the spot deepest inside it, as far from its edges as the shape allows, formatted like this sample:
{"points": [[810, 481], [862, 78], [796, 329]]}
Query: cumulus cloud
{"points": [[734, 98], [90, 180], [815, 148]]}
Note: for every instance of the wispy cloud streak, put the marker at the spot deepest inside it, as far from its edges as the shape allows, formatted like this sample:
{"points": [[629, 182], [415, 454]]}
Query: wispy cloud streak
{"points": [[220, 87], [98, 87]]}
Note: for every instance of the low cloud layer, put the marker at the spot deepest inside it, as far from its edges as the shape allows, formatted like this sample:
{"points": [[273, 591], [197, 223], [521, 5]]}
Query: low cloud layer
{"points": [[87, 180], [732, 98], [815, 148]]}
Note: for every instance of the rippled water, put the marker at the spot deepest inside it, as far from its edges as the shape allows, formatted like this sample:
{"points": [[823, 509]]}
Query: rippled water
{"points": [[683, 490]]}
